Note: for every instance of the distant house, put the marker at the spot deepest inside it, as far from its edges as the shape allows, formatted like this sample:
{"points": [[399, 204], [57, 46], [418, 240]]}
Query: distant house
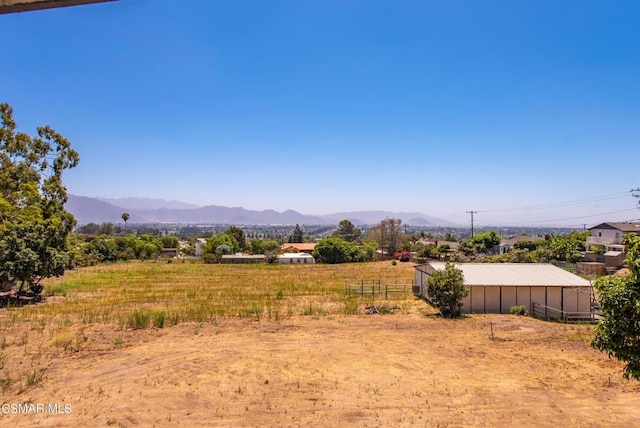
{"points": [[199, 246], [609, 235], [295, 258], [496, 287], [303, 247], [449, 247], [605, 251], [506, 245], [169, 252]]}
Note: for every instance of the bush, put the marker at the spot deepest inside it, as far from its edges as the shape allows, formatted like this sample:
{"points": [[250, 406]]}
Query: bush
{"points": [[518, 310], [138, 319], [446, 290], [336, 250]]}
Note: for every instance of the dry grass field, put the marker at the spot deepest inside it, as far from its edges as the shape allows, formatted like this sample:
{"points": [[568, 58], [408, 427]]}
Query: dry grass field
{"points": [[158, 344]]}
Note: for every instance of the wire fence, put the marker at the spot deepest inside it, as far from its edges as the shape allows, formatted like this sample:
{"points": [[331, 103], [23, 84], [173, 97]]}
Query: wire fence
{"points": [[388, 289]]}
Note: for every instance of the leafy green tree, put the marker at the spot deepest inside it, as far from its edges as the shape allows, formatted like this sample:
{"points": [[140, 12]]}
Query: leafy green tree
{"points": [[429, 251], [446, 290], [483, 242], [214, 247], [106, 229], [347, 231], [369, 249], [297, 236], [148, 246], [105, 247], [618, 333], [528, 245], [89, 229], [579, 238], [263, 246], [466, 248], [239, 236], [334, 250], [170, 241], [33, 221], [564, 249]]}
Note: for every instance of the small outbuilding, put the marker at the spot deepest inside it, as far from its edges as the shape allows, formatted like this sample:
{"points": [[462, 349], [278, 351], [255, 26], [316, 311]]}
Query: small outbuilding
{"points": [[295, 258], [242, 258], [496, 287]]}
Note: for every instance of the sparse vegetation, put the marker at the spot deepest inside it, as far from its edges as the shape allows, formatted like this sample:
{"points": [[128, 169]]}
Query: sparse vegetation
{"points": [[137, 295], [518, 310]]}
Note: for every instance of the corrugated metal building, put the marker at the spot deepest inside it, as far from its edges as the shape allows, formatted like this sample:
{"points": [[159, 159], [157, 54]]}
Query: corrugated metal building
{"points": [[295, 258], [496, 287]]}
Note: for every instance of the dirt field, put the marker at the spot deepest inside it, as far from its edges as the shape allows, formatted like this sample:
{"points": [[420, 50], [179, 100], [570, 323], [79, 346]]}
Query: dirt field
{"points": [[362, 370]]}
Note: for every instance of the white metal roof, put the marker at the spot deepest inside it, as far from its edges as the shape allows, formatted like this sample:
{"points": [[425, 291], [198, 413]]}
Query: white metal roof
{"points": [[516, 274], [296, 256]]}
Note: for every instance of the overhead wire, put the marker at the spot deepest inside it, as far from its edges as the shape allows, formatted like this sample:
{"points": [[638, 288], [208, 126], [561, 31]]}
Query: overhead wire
{"points": [[561, 204], [568, 218], [552, 206]]}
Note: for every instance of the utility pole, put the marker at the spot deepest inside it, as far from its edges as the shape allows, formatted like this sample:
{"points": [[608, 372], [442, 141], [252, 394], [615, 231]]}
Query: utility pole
{"points": [[472, 213], [636, 195]]}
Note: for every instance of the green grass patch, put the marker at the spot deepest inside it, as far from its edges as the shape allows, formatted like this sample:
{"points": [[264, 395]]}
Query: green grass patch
{"points": [[138, 319], [56, 290], [142, 295]]}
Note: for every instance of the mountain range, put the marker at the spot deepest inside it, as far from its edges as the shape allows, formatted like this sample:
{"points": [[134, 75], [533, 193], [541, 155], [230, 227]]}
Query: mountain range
{"points": [[144, 210]]}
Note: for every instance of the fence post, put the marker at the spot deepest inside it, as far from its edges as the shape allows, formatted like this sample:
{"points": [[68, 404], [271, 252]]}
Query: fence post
{"points": [[373, 294]]}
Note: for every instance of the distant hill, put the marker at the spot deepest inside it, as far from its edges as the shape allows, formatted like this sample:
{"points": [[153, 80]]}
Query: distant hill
{"points": [[92, 210], [373, 217], [99, 210], [148, 204], [224, 215]]}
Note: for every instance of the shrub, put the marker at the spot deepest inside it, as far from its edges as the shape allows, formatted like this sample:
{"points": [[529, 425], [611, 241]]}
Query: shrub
{"points": [[446, 290], [138, 319], [158, 319], [518, 310]]}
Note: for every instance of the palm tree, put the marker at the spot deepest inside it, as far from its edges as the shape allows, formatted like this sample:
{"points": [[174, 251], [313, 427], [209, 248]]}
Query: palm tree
{"points": [[125, 217]]}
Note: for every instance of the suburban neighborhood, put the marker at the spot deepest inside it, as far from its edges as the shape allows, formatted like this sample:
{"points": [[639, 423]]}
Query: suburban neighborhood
{"points": [[319, 214]]}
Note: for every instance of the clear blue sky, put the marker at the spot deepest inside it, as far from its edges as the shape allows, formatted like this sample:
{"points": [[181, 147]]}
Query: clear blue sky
{"points": [[525, 111]]}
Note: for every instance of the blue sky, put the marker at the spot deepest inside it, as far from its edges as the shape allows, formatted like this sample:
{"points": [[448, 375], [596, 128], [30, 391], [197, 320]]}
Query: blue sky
{"points": [[525, 111]]}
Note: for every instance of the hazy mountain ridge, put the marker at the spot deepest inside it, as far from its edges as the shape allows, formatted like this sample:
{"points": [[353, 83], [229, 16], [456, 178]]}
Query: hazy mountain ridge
{"points": [[148, 203], [91, 210], [373, 217], [98, 210]]}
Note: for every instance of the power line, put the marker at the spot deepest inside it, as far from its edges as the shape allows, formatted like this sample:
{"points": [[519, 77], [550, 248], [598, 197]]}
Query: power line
{"points": [[569, 218], [555, 205], [563, 204]]}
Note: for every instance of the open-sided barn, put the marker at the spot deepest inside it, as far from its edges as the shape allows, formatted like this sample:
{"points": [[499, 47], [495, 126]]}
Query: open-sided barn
{"points": [[496, 287]]}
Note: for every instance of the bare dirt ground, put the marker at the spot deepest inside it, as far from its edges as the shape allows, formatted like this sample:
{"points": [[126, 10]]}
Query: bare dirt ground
{"points": [[410, 369]]}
